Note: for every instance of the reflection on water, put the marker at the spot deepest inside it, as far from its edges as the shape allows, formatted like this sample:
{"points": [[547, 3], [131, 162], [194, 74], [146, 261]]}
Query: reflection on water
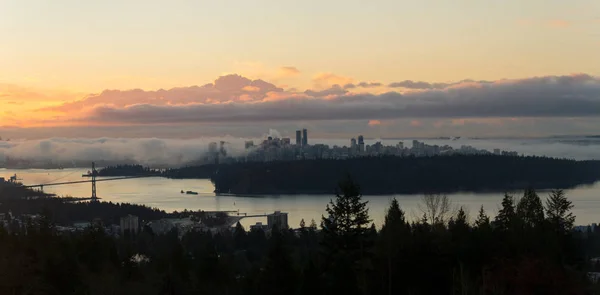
{"points": [[166, 194]]}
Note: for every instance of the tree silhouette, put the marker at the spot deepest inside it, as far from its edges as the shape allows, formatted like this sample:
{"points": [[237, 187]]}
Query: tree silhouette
{"points": [[558, 213]]}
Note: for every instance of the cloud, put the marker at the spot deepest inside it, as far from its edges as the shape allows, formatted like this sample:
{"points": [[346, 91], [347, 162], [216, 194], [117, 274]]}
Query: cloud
{"points": [[147, 151], [409, 84], [288, 71], [369, 84], [334, 90], [550, 96], [326, 80], [225, 88], [374, 123]]}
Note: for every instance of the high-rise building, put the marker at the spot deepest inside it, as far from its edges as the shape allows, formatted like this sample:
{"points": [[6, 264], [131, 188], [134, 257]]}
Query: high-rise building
{"points": [[278, 218], [285, 140], [353, 143], [298, 137], [304, 137], [249, 144], [361, 140]]}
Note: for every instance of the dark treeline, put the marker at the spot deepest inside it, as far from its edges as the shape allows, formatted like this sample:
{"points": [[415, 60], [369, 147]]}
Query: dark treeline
{"points": [[66, 211], [127, 170], [394, 175], [203, 171], [529, 248]]}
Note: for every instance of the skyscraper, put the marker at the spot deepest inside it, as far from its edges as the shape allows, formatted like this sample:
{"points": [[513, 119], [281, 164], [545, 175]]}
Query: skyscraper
{"points": [[361, 139], [298, 137], [304, 137]]}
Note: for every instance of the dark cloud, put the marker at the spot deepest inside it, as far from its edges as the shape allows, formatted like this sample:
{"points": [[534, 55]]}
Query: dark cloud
{"points": [[553, 96], [369, 84], [417, 85], [349, 86], [334, 90], [409, 84]]}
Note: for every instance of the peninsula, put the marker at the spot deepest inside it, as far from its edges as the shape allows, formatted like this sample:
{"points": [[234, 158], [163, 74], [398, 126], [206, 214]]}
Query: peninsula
{"points": [[392, 175]]}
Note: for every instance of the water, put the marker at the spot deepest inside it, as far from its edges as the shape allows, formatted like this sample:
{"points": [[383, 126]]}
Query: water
{"points": [[165, 194]]}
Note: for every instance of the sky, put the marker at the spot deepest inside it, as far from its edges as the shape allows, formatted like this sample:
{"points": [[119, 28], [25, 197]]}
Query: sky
{"points": [[400, 68]]}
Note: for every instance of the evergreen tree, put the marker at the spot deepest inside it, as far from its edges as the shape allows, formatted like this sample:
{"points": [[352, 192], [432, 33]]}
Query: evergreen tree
{"points": [[394, 236], [482, 221], [344, 238], [313, 225], [302, 224], [558, 213], [530, 209], [506, 216]]}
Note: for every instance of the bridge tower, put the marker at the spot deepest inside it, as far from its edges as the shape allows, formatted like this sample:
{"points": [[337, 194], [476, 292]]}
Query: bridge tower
{"points": [[94, 172]]}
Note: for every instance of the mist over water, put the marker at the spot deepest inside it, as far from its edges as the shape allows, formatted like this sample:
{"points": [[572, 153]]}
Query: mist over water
{"points": [[177, 152]]}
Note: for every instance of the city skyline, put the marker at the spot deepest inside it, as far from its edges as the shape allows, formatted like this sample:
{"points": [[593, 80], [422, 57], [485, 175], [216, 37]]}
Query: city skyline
{"points": [[386, 69]]}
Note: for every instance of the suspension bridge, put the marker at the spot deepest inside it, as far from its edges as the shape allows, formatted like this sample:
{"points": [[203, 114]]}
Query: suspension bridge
{"points": [[93, 180]]}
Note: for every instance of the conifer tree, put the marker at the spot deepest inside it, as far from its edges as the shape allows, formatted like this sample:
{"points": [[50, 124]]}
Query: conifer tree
{"points": [[506, 216], [482, 221], [345, 235], [530, 209], [558, 213]]}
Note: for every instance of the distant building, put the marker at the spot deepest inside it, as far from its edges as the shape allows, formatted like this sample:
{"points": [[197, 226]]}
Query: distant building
{"points": [[353, 145], [286, 140], [249, 144], [129, 223], [298, 137], [304, 137], [212, 147], [496, 151], [361, 140], [415, 144], [278, 218], [258, 226]]}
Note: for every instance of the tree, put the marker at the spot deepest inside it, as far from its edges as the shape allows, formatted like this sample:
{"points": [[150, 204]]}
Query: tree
{"points": [[348, 215], [302, 224], [482, 221], [530, 209], [506, 216], [394, 235], [344, 237], [558, 213], [313, 225], [436, 208]]}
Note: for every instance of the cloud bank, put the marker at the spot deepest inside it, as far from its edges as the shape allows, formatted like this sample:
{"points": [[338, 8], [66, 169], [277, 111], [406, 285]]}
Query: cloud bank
{"points": [[543, 97], [336, 106]]}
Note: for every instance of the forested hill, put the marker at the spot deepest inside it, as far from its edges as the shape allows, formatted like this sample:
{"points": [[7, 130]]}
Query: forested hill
{"points": [[395, 175]]}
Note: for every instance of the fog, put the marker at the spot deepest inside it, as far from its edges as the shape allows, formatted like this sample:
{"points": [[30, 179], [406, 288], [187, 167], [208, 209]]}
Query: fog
{"points": [[146, 151], [158, 152]]}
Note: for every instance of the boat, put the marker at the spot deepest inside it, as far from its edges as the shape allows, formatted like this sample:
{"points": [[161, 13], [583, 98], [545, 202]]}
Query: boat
{"points": [[191, 193], [182, 191]]}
